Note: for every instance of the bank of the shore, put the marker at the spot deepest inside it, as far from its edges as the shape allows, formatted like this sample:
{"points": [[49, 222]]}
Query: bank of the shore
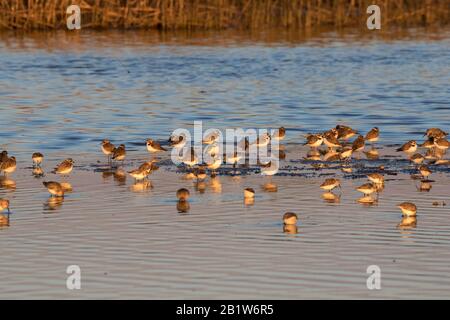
{"points": [[220, 14]]}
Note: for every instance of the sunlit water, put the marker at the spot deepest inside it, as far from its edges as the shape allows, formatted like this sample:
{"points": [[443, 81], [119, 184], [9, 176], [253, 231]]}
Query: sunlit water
{"points": [[62, 94]]}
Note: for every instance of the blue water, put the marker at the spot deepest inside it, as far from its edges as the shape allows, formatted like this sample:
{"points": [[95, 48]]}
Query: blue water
{"points": [[63, 93]]}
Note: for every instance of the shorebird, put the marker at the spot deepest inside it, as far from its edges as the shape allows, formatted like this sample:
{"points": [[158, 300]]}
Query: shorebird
{"points": [[191, 158], [279, 134], [183, 194], [430, 154], [211, 138], [290, 218], [249, 193], [330, 140], [8, 166], [269, 169], [149, 165], [345, 132], [65, 167], [346, 153], [373, 135], [331, 155], [376, 178], [417, 158], [332, 133], [107, 148], [214, 165], [263, 140], [358, 144], [234, 159], [314, 140], [177, 142], [200, 173], [408, 208], [139, 174], [54, 188], [367, 188], [37, 158], [429, 143], [153, 146], [4, 205], [435, 133], [409, 147], [119, 153], [330, 183], [441, 143], [424, 171]]}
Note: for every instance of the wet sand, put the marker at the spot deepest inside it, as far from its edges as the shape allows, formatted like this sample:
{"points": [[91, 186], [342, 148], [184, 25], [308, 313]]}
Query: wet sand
{"points": [[133, 242]]}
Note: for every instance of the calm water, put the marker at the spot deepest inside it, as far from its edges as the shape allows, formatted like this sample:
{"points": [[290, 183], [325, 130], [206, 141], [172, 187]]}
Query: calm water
{"points": [[61, 94]]}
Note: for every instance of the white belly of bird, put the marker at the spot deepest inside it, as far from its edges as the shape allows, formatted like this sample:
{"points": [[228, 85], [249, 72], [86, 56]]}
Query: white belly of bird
{"points": [[151, 149], [215, 165], [366, 190], [107, 152], [65, 171], [408, 212], [119, 158]]}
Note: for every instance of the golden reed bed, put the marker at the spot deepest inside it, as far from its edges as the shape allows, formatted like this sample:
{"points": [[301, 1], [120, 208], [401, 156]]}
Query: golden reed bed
{"points": [[220, 14]]}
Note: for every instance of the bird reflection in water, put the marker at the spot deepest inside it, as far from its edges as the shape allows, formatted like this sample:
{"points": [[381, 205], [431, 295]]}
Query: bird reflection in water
{"points": [[183, 206], [200, 186], [215, 184], [53, 203], [38, 172], [7, 183], [141, 186], [290, 229], [120, 176], [4, 220], [408, 223], [367, 201], [372, 154], [330, 197], [424, 186]]}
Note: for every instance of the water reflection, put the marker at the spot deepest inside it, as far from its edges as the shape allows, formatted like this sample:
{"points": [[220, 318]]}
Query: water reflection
{"points": [[7, 183], [372, 154], [38, 172], [183, 206], [270, 187], [53, 203], [120, 176], [424, 186], [290, 229], [216, 185], [200, 186], [4, 220], [141, 186], [408, 222], [249, 201], [330, 197], [367, 200]]}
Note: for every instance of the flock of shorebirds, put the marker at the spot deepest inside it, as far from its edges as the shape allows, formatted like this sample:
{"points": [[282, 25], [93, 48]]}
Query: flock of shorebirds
{"points": [[336, 140]]}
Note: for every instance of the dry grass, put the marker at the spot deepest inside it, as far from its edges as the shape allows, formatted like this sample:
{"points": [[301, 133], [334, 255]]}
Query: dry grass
{"points": [[220, 14]]}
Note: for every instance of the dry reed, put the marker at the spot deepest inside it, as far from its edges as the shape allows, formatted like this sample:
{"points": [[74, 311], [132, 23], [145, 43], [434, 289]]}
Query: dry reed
{"points": [[220, 14]]}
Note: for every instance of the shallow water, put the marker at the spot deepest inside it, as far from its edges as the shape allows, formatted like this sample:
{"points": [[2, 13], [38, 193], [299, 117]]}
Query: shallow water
{"points": [[61, 94]]}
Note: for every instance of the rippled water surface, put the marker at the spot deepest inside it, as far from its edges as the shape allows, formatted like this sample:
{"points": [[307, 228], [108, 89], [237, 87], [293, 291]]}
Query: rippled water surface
{"points": [[61, 94]]}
